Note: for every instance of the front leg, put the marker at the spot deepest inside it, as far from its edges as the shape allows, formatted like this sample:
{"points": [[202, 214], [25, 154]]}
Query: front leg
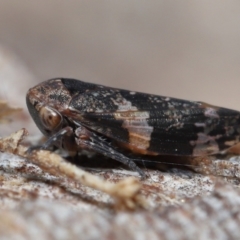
{"points": [[64, 138], [82, 138], [86, 139]]}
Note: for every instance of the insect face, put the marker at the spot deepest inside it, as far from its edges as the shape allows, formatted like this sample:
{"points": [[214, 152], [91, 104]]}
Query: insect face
{"points": [[45, 103]]}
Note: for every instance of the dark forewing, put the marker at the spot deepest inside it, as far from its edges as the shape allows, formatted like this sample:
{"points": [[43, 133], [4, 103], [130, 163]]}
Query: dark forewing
{"points": [[156, 124]]}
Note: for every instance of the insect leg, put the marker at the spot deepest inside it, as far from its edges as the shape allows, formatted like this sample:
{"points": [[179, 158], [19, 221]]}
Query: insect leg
{"points": [[89, 140], [67, 131]]}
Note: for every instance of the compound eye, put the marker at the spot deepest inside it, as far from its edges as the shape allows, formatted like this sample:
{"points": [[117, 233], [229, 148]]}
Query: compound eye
{"points": [[50, 118]]}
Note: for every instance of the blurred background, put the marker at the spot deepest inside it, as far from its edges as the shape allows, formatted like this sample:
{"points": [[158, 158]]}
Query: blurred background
{"points": [[183, 49]]}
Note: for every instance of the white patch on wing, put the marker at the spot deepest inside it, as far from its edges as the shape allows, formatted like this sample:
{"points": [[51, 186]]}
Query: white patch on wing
{"points": [[200, 124], [123, 104], [139, 129], [211, 112], [135, 121], [205, 144]]}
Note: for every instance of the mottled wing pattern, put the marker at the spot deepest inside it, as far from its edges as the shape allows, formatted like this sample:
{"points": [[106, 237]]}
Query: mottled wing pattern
{"points": [[151, 124]]}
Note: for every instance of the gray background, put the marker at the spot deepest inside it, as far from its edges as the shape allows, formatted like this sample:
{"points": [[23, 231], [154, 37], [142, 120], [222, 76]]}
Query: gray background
{"points": [[184, 49]]}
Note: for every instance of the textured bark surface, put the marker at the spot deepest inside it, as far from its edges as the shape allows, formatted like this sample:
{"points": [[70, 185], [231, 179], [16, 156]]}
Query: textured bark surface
{"points": [[54, 201]]}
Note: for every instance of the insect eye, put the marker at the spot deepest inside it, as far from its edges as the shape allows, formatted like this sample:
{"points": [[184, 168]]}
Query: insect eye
{"points": [[50, 118]]}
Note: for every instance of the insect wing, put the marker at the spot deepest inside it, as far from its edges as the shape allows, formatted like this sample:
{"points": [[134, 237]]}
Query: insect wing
{"points": [[151, 124]]}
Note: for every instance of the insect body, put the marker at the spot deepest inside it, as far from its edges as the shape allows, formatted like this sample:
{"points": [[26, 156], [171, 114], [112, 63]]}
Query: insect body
{"points": [[78, 115]]}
